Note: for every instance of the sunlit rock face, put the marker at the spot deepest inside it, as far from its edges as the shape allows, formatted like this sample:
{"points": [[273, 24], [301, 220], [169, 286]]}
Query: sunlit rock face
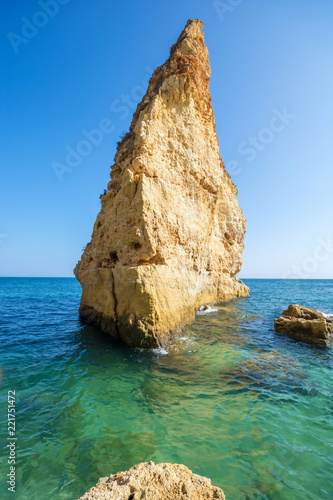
{"points": [[169, 236]]}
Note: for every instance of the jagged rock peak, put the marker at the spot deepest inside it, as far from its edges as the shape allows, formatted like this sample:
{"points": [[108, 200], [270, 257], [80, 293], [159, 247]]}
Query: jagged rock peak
{"points": [[188, 66]]}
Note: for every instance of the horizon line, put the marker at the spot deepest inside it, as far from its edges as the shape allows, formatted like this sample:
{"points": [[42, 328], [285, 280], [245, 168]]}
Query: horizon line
{"points": [[73, 277]]}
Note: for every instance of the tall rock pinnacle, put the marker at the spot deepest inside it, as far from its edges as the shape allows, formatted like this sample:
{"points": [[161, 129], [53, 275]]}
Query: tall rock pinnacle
{"points": [[169, 236]]}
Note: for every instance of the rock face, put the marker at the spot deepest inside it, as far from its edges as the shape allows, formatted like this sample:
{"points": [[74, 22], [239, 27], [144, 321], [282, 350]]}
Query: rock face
{"points": [[305, 324], [154, 482], [169, 236]]}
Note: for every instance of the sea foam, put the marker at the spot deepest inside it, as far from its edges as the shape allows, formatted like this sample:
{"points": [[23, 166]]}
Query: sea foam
{"points": [[207, 310]]}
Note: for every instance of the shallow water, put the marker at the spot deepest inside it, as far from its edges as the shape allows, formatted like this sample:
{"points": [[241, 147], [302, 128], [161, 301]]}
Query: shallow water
{"points": [[232, 400]]}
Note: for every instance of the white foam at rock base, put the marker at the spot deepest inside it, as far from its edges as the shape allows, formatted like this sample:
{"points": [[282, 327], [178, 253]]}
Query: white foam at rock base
{"points": [[160, 350], [208, 310], [326, 315]]}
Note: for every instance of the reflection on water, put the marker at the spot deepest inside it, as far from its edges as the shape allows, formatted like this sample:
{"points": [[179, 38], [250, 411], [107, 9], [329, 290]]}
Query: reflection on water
{"points": [[231, 399]]}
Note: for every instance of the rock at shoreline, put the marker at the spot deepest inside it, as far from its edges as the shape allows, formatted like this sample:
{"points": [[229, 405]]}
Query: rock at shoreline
{"points": [[305, 324], [151, 481], [169, 236]]}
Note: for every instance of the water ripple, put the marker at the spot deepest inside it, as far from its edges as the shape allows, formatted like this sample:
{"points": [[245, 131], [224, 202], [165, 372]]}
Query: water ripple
{"points": [[231, 399]]}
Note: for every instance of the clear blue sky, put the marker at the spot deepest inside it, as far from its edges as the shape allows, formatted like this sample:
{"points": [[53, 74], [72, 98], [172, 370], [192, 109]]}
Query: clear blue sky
{"points": [[84, 60]]}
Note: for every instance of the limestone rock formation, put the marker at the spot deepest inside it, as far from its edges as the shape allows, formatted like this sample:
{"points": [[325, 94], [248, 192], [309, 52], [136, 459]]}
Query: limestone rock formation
{"points": [[305, 324], [169, 236], [154, 482]]}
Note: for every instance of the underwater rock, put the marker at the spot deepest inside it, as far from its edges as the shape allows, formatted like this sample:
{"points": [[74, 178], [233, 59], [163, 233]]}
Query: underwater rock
{"points": [[271, 369], [305, 324], [151, 481], [169, 236]]}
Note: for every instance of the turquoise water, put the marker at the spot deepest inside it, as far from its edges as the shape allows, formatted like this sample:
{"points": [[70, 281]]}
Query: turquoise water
{"points": [[234, 401]]}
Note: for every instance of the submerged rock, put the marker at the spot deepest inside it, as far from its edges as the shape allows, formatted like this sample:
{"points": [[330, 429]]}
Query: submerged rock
{"points": [[305, 324], [169, 236], [151, 481], [271, 369]]}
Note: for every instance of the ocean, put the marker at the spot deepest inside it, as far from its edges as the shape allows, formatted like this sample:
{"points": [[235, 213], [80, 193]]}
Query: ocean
{"points": [[232, 400]]}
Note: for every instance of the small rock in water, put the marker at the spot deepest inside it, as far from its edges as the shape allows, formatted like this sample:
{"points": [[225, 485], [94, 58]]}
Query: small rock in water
{"points": [[305, 324], [154, 482]]}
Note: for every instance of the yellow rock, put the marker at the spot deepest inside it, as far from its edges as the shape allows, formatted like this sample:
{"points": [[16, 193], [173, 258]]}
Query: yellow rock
{"points": [[169, 237], [151, 481], [305, 324]]}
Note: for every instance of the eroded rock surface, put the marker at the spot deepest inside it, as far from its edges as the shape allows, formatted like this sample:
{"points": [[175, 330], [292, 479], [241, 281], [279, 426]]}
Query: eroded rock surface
{"points": [[169, 236], [305, 324], [154, 482]]}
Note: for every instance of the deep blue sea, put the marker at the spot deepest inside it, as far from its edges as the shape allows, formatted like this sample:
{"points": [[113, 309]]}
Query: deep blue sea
{"points": [[232, 400]]}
